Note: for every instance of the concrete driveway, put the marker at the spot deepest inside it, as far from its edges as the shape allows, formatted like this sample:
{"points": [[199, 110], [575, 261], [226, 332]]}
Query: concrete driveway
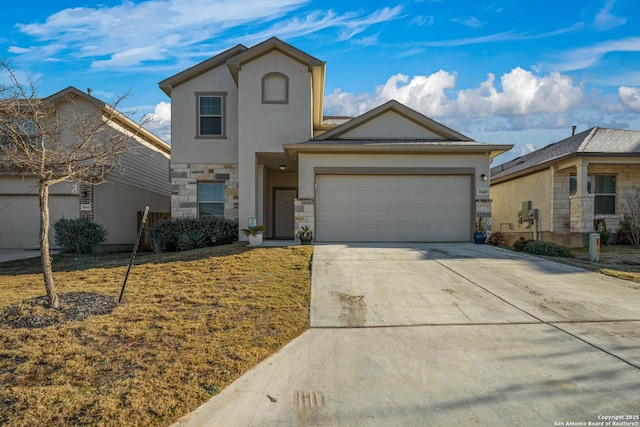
{"points": [[447, 334]]}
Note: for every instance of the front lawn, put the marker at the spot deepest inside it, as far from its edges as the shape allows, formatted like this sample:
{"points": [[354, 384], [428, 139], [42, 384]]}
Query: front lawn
{"points": [[615, 260], [190, 323]]}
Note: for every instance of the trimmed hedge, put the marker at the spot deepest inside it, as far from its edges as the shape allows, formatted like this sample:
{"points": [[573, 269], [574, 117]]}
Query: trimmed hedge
{"points": [[179, 234], [78, 235], [547, 249]]}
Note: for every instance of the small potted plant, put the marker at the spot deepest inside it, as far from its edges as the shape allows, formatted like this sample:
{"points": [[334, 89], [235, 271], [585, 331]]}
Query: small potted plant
{"points": [[480, 235], [254, 233], [305, 235]]}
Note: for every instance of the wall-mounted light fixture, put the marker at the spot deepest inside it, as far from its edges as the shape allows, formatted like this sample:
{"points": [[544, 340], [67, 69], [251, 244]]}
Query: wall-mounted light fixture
{"points": [[483, 177], [282, 167]]}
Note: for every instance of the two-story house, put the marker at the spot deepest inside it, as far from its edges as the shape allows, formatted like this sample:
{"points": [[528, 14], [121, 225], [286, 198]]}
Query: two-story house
{"points": [[142, 180], [249, 140]]}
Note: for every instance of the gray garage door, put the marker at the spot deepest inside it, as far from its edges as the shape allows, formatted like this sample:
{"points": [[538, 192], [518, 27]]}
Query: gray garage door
{"points": [[393, 208], [20, 218]]}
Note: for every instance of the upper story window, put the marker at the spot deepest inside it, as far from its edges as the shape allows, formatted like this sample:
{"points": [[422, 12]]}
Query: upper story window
{"points": [[211, 112], [275, 88]]}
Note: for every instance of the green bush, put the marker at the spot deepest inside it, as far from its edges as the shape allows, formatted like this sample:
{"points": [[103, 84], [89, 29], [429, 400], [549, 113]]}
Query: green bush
{"points": [[520, 244], [547, 249], [189, 233], [193, 239], [78, 235]]}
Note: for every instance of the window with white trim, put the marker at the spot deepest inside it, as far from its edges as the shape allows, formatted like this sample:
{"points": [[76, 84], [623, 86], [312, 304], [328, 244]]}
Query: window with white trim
{"points": [[210, 199], [211, 110]]}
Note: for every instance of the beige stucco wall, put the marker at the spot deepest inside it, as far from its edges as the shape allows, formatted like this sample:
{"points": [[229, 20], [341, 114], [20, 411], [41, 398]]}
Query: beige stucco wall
{"points": [[116, 205], [265, 127], [390, 125], [308, 161], [508, 197], [185, 146]]}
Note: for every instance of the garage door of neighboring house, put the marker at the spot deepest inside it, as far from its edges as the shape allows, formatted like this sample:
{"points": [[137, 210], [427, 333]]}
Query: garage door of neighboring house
{"points": [[20, 218], [393, 208]]}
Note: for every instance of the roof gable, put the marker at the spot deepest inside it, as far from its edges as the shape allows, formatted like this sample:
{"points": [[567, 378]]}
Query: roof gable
{"points": [[592, 141], [115, 116], [393, 120], [236, 62], [168, 84]]}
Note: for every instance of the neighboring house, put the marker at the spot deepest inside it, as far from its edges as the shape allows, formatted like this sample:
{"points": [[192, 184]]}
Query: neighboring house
{"points": [[249, 140], [142, 181], [567, 185]]}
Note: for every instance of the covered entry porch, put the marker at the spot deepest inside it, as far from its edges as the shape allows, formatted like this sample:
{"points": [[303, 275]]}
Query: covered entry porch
{"points": [[277, 188]]}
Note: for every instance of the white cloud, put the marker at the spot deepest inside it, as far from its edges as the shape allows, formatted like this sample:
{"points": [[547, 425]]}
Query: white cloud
{"points": [[604, 20], [582, 58], [129, 34], [522, 93], [18, 50], [522, 100], [629, 97], [159, 122], [420, 20], [471, 22]]}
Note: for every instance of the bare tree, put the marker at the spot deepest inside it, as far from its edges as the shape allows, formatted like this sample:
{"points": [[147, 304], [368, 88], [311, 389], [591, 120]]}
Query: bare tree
{"points": [[54, 140], [630, 225]]}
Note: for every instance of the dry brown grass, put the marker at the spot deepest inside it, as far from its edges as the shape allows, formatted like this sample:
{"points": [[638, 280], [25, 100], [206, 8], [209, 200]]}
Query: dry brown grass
{"points": [[615, 260], [190, 324]]}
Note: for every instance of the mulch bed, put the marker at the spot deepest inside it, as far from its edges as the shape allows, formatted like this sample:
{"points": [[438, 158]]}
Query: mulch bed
{"points": [[35, 312]]}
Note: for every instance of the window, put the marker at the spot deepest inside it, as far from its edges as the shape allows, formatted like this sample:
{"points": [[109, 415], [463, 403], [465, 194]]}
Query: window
{"points": [[604, 191], [275, 89], [210, 199], [573, 184], [211, 115], [605, 194]]}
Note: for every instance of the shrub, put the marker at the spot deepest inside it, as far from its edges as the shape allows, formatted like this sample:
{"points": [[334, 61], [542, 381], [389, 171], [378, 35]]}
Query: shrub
{"points": [[190, 233], [625, 231], [78, 235], [496, 239], [193, 239], [547, 249], [600, 225], [520, 244]]}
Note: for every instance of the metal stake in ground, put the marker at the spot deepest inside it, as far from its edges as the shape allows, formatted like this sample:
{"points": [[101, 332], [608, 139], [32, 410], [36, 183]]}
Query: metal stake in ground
{"points": [[135, 249]]}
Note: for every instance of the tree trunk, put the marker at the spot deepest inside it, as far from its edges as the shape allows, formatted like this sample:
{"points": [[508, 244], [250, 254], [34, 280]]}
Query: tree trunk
{"points": [[45, 257]]}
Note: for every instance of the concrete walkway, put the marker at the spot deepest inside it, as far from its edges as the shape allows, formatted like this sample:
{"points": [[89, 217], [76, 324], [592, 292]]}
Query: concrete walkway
{"points": [[446, 334]]}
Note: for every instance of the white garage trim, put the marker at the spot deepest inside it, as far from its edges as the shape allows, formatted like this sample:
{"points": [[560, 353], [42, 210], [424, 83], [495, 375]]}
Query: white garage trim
{"points": [[394, 204], [20, 214]]}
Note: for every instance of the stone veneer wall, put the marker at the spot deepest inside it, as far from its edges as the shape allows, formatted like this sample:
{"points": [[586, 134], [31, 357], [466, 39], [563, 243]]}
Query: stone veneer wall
{"points": [[305, 213], [560, 204], [184, 187]]}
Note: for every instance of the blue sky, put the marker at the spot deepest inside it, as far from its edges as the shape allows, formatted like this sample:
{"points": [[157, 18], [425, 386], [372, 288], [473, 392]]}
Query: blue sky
{"points": [[504, 71]]}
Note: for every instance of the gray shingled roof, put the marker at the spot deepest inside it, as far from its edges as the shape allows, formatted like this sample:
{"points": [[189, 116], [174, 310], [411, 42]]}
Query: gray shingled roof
{"points": [[595, 140]]}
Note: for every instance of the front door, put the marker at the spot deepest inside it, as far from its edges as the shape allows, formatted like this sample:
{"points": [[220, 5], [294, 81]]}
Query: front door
{"points": [[283, 215]]}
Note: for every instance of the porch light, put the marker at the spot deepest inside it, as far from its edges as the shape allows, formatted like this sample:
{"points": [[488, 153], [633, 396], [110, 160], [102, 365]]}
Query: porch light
{"points": [[483, 177], [282, 167]]}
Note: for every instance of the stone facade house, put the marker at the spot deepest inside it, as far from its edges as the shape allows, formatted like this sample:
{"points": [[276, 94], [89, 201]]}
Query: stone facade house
{"points": [[555, 193], [142, 181], [249, 140]]}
